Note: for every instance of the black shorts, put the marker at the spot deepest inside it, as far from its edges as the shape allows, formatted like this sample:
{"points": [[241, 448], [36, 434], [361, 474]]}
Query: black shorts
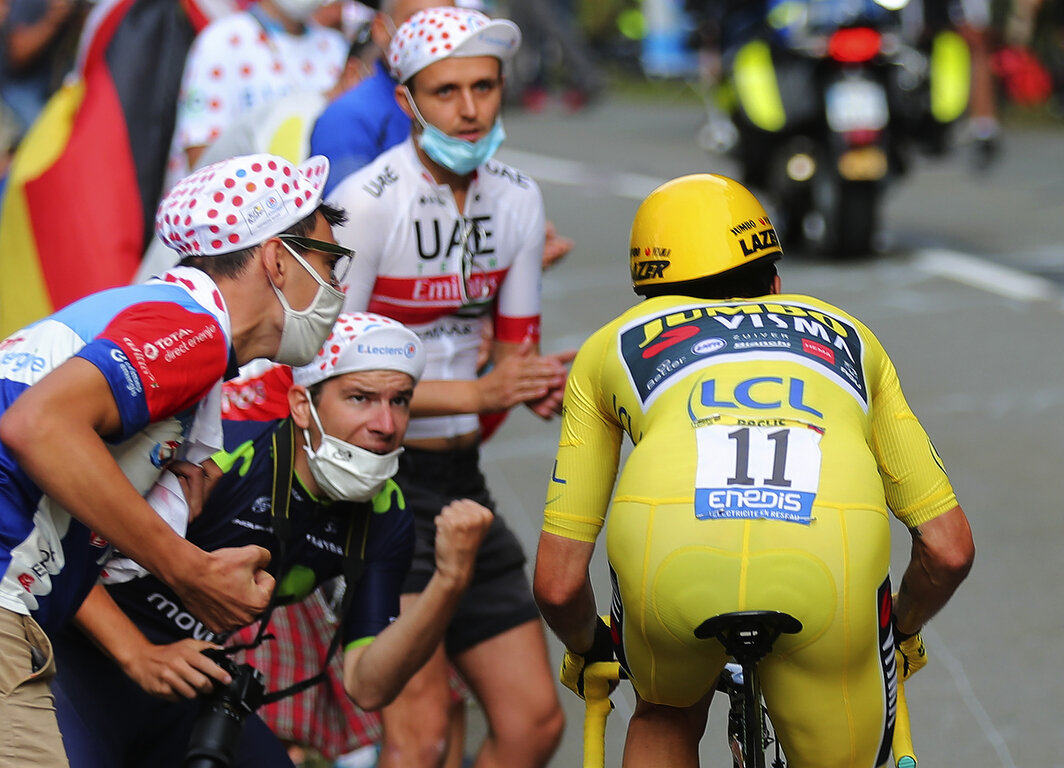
{"points": [[499, 598]]}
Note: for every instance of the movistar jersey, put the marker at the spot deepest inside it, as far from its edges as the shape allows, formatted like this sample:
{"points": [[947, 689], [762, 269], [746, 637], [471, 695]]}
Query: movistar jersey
{"points": [[238, 512], [163, 348], [442, 271]]}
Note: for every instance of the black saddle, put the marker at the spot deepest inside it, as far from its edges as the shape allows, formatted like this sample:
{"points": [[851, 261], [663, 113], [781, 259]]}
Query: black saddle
{"points": [[748, 636]]}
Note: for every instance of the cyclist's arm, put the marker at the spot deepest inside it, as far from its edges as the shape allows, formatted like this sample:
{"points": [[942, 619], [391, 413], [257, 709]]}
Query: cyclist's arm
{"points": [[169, 671], [563, 591], [942, 554], [919, 493], [577, 497]]}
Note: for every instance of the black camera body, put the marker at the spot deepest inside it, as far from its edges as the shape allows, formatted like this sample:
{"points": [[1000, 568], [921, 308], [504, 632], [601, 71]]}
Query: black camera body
{"points": [[216, 733]]}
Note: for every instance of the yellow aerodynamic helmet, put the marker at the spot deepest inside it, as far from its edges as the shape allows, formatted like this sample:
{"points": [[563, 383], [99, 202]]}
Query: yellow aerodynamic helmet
{"points": [[697, 226]]}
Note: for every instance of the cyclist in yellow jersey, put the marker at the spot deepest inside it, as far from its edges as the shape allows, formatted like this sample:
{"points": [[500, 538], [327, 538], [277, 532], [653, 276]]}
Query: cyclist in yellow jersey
{"points": [[772, 444]]}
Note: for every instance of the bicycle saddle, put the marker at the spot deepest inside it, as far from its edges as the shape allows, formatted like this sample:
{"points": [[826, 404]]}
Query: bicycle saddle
{"points": [[748, 634]]}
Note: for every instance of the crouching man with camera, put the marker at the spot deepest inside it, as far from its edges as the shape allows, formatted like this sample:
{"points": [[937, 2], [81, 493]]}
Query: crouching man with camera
{"points": [[315, 490]]}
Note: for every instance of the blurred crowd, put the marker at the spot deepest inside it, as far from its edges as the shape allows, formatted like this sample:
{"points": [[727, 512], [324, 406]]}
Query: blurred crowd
{"points": [[1018, 51], [39, 42]]}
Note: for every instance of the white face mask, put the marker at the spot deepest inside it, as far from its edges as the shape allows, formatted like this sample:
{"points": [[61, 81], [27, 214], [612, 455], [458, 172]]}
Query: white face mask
{"points": [[305, 331], [299, 10], [345, 472]]}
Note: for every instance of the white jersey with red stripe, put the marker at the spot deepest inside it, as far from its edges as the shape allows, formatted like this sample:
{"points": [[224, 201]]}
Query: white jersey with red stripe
{"points": [[442, 272]]}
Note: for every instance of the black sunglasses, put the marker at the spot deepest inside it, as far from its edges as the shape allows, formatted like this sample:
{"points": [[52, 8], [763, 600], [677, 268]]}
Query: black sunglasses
{"points": [[344, 255]]}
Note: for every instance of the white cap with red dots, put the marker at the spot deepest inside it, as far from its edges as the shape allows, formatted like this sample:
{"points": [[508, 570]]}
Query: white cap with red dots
{"points": [[439, 33], [363, 341], [239, 203]]}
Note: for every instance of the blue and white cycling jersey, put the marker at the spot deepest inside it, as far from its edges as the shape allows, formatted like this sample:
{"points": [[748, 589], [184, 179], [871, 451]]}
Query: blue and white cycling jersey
{"points": [[163, 348]]}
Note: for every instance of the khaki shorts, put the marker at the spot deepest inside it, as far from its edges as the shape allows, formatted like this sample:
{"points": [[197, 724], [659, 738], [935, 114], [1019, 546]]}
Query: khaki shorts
{"points": [[30, 736]]}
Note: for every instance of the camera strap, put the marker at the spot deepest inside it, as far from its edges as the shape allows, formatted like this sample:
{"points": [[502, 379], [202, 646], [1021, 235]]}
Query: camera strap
{"points": [[280, 497], [354, 565], [354, 553]]}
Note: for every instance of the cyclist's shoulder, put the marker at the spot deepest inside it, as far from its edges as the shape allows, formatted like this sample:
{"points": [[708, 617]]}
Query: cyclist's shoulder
{"points": [[812, 305], [389, 179], [246, 458], [508, 180], [391, 525]]}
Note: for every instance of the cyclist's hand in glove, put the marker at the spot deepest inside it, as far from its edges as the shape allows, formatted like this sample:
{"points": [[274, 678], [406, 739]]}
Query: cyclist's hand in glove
{"points": [[909, 652], [910, 655], [573, 664]]}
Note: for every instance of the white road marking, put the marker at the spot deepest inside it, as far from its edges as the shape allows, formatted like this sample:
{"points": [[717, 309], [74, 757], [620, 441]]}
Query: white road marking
{"points": [[964, 688], [569, 173], [985, 275]]}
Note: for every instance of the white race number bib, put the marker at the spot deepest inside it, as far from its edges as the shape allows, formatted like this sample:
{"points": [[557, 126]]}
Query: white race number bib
{"points": [[747, 472]]}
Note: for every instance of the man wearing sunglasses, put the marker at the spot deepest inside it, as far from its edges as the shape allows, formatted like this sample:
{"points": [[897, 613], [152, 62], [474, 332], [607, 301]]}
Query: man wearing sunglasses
{"points": [[449, 241], [98, 398], [349, 411]]}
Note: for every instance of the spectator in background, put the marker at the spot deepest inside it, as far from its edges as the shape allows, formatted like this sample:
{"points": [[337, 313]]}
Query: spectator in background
{"points": [[39, 38], [480, 268], [349, 17], [250, 58], [8, 121], [366, 120], [984, 127], [9, 131], [353, 402], [128, 380], [281, 127], [971, 18], [554, 50]]}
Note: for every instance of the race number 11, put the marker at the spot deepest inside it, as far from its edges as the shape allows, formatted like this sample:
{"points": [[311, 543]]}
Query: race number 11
{"points": [[757, 472]]}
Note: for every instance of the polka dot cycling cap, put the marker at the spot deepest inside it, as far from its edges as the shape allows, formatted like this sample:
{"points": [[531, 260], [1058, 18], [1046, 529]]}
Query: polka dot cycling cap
{"points": [[239, 203], [439, 33], [362, 341]]}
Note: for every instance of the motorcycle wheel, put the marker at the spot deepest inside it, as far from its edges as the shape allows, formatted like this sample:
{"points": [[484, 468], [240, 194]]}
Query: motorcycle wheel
{"points": [[849, 215]]}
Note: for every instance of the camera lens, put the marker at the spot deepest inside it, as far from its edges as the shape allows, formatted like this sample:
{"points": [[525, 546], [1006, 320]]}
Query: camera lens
{"points": [[216, 733]]}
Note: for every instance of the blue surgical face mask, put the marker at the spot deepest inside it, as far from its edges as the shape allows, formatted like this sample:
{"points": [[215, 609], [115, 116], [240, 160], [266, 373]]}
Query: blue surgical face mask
{"points": [[455, 154]]}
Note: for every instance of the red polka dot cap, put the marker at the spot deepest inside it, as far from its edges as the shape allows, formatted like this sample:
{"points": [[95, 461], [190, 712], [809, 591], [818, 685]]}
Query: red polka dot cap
{"points": [[363, 341], [239, 203], [437, 33]]}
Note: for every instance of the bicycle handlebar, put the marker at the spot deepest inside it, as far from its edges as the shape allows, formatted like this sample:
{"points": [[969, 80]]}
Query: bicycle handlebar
{"points": [[902, 746], [599, 676], [597, 680]]}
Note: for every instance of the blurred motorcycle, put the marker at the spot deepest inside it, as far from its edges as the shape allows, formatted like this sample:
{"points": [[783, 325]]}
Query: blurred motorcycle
{"points": [[829, 101]]}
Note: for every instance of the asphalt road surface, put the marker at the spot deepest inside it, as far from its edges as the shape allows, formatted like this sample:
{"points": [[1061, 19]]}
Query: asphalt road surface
{"points": [[966, 297]]}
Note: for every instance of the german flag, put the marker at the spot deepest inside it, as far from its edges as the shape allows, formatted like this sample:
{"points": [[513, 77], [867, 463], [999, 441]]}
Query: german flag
{"points": [[84, 183]]}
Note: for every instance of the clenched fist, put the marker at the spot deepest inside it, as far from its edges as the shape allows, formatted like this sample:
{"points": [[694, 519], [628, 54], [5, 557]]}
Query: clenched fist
{"points": [[460, 527]]}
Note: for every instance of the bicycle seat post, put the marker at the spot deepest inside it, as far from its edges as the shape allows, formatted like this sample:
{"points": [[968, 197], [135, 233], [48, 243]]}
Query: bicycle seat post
{"points": [[748, 636]]}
